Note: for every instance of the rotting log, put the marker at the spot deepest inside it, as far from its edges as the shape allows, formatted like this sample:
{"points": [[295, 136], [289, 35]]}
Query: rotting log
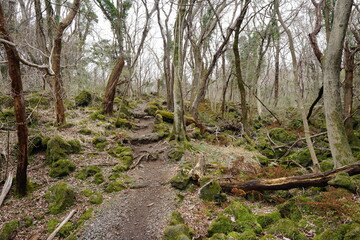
{"points": [[285, 183]]}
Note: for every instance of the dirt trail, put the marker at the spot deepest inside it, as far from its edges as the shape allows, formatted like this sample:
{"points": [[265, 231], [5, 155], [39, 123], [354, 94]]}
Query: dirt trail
{"points": [[142, 211]]}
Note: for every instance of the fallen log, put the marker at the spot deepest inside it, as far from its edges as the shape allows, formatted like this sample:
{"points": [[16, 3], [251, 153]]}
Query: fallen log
{"points": [[285, 183], [6, 188]]}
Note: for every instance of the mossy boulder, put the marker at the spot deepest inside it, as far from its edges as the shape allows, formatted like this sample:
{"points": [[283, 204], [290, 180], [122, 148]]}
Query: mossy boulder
{"points": [[83, 99], [339, 233], [267, 219], [37, 100], [162, 130], [35, 144], [288, 228], [60, 197], [263, 145], [85, 131], [177, 232], [124, 154], [119, 168], [294, 208], [343, 180], [9, 230], [246, 235], [176, 153], [210, 191], [313, 222], [122, 123], [98, 178], [115, 186], [61, 168], [57, 148], [221, 224], [100, 142], [75, 146], [151, 110], [176, 219], [88, 171], [180, 181], [97, 116], [281, 135], [96, 198]]}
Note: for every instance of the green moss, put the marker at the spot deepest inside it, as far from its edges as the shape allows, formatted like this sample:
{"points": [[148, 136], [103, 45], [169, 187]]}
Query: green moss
{"points": [[98, 178], [57, 149], [115, 186], [87, 192], [6, 101], [233, 236], [86, 216], [343, 180], [288, 228], [301, 157], [124, 154], [268, 237], [75, 146], [83, 99], [210, 191], [98, 139], [28, 221], [162, 130], [176, 153], [313, 222], [9, 229], [246, 235], [35, 144], [122, 123], [97, 116], [335, 234], [176, 232], [60, 196], [86, 172], [281, 135], [180, 180], [101, 146], [151, 110], [267, 219], [158, 119], [290, 210], [37, 100], [96, 198], [221, 224], [51, 224], [218, 236], [114, 176], [240, 212], [327, 165], [176, 219], [61, 168], [353, 233], [85, 131], [119, 168]]}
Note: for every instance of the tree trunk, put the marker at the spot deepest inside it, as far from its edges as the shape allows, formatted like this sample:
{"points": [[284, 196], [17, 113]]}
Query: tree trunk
{"points": [[277, 71], [111, 86], [179, 122], [17, 94], [339, 145], [285, 183]]}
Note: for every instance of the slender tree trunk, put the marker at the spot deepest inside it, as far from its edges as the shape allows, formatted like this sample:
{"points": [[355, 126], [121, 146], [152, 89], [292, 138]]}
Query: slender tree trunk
{"points": [[179, 122], [297, 82], [17, 94], [240, 80], [339, 145], [277, 71], [111, 86]]}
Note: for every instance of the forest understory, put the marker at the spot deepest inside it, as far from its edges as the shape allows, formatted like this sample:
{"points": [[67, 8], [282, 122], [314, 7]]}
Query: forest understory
{"points": [[126, 179]]}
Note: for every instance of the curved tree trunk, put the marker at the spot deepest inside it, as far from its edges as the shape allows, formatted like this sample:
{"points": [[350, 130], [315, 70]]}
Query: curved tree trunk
{"points": [[339, 145], [17, 94], [111, 86]]}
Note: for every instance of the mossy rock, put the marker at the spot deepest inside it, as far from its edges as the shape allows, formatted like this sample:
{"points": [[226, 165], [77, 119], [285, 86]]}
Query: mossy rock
{"points": [[288, 228], [151, 110], [268, 237], [75, 146], [28, 221], [96, 198], [119, 168], [57, 149], [61, 168], [99, 139], [301, 157], [338, 233], [36, 144], [240, 212], [9, 230], [124, 154], [327, 165], [267, 219], [60, 197], [86, 172], [290, 209], [176, 153], [210, 191], [263, 145], [343, 180], [97, 116], [180, 181], [281, 135], [115, 186], [37, 100], [122, 123], [221, 224], [176, 219], [162, 130], [98, 178], [85, 131], [313, 222], [246, 235], [177, 232], [83, 99], [158, 119]]}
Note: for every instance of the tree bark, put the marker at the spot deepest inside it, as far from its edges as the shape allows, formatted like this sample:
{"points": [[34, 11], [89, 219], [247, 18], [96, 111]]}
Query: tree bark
{"points": [[19, 105], [339, 145], [285, 183], [111, 86]]}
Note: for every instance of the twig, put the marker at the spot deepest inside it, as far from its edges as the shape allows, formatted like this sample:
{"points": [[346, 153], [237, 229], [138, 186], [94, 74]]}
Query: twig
{"points": [[6, 188], [138, 160], [52, 235]]}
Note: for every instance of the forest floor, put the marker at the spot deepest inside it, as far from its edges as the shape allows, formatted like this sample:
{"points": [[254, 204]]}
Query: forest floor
{"points": [[121, 182]]}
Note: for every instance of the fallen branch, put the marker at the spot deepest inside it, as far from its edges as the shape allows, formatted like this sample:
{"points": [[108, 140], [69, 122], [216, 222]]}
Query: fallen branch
{"points": [[146, 155], [285, 183], [52, 235], [6, 188]]}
